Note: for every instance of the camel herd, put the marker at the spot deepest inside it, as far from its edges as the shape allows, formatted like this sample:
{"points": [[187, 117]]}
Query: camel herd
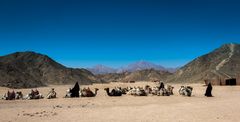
{"points": [[34, 94], [158, 90]]}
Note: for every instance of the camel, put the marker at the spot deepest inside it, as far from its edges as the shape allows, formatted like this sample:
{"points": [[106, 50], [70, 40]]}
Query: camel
{"points": [[132, 91], [170, 89], [185, 91], [19, 95], [161, 90], [52, 94], [114, 92], [68, 93], [88, 93], [124, 90], [155, 90], [13, 95], [9, 95], [139, 91], [34, 94], [148, 89]]}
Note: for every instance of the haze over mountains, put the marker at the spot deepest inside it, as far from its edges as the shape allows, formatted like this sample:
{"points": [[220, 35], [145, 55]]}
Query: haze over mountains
{"points": [[137, 66]]}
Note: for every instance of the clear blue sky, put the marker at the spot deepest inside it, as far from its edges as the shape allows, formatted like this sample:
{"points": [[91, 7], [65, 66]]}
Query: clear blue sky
{"points": [[117, 32]]}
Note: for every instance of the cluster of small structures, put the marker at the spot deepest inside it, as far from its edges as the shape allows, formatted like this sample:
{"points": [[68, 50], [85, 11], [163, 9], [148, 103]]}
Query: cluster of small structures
{"points": [[158, 90]]}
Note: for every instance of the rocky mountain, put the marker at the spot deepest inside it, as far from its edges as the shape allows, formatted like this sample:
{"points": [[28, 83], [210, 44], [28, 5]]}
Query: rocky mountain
{"points": [[137, 66], [222, 62], [140, 75], [141, 65], [30, 69], [101, 69]]}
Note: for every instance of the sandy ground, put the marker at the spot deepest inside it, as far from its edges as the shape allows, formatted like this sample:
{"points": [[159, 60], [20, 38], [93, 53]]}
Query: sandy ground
{"points": [[223, 107]]}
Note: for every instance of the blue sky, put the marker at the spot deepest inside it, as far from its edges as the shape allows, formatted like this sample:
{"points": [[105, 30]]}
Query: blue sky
{"points": [[114, 33]]}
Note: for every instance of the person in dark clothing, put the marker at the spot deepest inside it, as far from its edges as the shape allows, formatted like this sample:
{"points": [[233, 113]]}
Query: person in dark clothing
{"points": [[161, 86], [75, 90], [209, 90]]}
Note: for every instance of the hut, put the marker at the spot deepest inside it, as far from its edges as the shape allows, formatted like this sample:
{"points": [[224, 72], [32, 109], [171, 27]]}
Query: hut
{"points": [[223, 81], [215, 81]]}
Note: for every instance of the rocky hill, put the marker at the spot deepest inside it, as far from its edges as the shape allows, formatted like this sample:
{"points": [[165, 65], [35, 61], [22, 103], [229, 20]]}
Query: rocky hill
{"points": [[222, 62], [30, 69], [141, 75]]}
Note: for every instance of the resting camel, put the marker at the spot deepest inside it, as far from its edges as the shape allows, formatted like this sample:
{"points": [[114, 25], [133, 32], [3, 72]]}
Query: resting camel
{"points": [[19, 95], [9, 95], [68, 93], [114, 92], [34, 94], [161, 90], [170, 89], [139, 91], [52, 94], [132, 91], [12, 95], [124, 90], [148, 89], [185, 91], [88, 93], [154, 90]]}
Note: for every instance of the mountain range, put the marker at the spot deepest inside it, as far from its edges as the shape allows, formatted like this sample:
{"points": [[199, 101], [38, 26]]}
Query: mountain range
{"points": [[30, 69], [139, 75], [137, 66]]}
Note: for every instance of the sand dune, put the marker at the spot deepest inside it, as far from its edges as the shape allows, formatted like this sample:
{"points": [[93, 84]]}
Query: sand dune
{"points": [[223, 107]]}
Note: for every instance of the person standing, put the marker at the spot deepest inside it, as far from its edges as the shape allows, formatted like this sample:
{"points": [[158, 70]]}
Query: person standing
{"points": [[208, 92]]}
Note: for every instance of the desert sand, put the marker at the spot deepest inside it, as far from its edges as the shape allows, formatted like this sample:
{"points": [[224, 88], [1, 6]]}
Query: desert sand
{"points": [[223, 107]]}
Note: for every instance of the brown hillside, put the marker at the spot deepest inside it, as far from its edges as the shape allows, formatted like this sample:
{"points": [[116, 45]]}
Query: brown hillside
{"points": [[222, 62], [30, 69]]}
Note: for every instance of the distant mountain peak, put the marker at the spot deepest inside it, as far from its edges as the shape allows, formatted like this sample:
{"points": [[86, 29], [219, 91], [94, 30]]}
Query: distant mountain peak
{"points": [[136, 66], [142, 65], [101, 69]]}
